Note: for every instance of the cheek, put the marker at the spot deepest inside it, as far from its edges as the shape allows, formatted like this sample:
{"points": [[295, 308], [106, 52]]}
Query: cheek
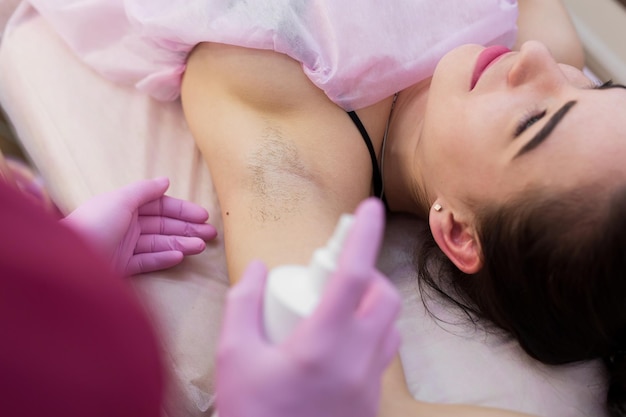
{"points": [[453, 132], [464, 136], [454, 71], [447, 153], [461, 157]]}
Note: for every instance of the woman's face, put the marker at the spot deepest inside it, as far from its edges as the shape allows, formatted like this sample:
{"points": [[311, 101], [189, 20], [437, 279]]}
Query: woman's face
{"points": [[527, 121]]}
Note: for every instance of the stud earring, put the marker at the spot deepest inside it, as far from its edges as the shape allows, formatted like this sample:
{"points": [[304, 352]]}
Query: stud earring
{"points": [[437, 207]]}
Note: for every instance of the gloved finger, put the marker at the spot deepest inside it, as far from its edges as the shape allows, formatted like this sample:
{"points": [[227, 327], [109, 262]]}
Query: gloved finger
{"points": [[143, 191], [161, 243], [381, 304], [175, 208], [244, 307], [354, 274], [174, 227], [389, 347], [378, 314], [149, 262]]}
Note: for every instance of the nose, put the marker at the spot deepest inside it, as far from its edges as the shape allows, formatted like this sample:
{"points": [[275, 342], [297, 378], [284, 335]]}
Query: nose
{"points": [[534, 64]]}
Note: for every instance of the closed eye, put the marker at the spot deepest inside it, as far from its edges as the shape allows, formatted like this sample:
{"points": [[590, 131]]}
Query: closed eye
{"points": [[547, 129], [555, 119], [528, 121]]}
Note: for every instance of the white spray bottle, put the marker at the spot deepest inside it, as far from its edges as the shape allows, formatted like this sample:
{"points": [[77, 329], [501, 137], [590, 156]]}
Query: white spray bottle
{"points": [[293, 291]]}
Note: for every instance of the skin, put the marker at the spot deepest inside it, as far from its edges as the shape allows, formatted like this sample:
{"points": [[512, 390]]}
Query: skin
{"points": [[585, 148], [277, 150], [272, 172]]}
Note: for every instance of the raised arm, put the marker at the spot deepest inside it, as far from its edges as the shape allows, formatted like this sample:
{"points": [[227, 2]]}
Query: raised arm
{"points": [[285, 161], [548, 21]]}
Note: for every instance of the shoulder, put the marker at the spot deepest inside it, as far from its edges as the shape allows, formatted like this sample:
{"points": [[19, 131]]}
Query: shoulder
{"points": [[265, 129], [263, 79], [277, 150]]}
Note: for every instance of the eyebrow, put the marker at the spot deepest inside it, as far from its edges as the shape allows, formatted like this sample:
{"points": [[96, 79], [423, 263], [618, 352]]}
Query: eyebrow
{"points": [[608, 85], [546, 130]]}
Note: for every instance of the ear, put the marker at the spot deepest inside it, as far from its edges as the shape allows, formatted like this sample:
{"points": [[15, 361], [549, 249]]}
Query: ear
{"points": [[457, 239]]}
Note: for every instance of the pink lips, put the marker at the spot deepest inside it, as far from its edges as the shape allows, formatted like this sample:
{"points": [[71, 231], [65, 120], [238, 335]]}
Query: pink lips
{"points": [[485, 59]]}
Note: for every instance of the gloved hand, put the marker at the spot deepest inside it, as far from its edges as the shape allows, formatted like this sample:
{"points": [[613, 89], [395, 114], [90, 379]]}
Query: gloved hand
{"points": [[139, 229], [20, 176], [333, 362]]}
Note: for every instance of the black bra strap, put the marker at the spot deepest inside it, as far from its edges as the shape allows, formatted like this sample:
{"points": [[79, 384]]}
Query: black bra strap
{"points": [[377, 179]]}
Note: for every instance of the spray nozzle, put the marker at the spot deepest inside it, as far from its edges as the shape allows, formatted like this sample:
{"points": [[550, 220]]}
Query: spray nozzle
{"points": [[324, 260], [338, 238]]}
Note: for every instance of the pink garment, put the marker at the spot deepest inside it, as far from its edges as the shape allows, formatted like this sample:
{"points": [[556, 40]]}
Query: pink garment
{"points": [[357, 51], [76, 340]]}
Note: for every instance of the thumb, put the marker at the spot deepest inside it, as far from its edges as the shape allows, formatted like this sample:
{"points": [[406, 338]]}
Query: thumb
{"points": [[357, 261], [244, 306], [144, 191]]}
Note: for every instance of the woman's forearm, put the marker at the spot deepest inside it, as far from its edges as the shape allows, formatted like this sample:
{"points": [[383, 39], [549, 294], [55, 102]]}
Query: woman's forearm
{"points": [[421, 409], [397, 401], [548, 21]]}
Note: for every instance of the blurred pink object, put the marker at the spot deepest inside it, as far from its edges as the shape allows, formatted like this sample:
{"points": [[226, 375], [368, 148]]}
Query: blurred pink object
{"points": [[357, 51], [75, 339], [19, 175]]}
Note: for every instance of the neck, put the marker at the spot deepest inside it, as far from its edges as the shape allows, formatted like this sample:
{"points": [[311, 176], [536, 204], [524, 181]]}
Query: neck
{"points": [[404, 187]]}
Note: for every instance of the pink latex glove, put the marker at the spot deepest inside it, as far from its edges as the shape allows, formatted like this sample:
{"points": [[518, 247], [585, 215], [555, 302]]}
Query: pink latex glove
{"points": [[139, 229], [333, 362]]}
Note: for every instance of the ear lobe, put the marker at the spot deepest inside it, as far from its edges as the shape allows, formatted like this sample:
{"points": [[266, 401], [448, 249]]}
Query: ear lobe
{"points": [[457, 240]]}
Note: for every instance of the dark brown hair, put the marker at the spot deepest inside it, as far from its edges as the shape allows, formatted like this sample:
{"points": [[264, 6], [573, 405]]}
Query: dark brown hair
{"points": [[554, 277]]}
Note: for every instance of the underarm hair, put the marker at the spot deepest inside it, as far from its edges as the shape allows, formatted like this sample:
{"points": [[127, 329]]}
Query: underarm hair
{"points": [[277, 177]]}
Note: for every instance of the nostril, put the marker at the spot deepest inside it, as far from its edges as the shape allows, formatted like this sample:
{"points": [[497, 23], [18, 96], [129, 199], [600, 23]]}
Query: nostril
{"points": [[517, 74]]}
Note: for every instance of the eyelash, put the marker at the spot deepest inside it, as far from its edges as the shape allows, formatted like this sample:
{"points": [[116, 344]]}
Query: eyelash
{"points": [[527, 121], [534, 116]]}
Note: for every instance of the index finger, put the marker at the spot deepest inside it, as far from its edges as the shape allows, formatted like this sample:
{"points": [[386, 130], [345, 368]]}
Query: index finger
{"points": [[142, 191], [357, 261], [175, 208]]}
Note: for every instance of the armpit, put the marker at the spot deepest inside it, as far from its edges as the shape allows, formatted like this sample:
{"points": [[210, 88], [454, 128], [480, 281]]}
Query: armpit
{"points": [[277, 177]]}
